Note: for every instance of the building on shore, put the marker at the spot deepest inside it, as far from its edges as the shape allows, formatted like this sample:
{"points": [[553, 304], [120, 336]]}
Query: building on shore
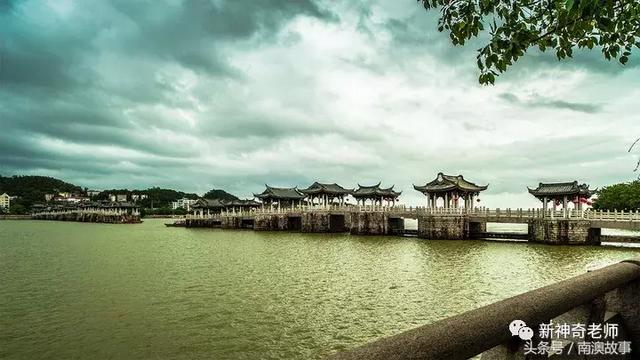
{"points": [[5, 201], [281, 197], [451, 189], [562, 193], [183, 203], [326, 194], [376, 195], [93, 193]]}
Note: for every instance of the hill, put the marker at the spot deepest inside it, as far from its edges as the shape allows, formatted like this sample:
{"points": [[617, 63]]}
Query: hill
{"points": [[219, 194], [32, 189]]}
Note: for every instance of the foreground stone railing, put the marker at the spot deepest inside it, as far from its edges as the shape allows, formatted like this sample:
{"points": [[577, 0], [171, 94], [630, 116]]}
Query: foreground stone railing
{"points": [[608, 295]]}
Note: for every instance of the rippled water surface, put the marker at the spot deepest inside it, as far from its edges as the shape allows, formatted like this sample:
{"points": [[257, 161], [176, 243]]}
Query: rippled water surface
{"points": [[73, 290]]}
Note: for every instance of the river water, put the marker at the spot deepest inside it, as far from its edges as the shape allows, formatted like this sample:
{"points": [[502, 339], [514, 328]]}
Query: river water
{"points": [[75, 290]]}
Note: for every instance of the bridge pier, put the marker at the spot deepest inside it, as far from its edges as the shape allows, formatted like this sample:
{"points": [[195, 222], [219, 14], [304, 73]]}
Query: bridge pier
{"points": [[231, 222], [316, 222], [563, 232], [271, 222], [369, 223], [444, 227]]}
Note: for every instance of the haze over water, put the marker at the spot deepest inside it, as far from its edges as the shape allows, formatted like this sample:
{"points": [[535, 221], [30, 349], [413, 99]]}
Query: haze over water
{"points": [[74, 290]]}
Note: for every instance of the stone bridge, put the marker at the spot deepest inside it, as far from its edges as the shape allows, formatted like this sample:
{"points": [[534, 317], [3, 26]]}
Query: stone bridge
{"points": [[544, 226]]}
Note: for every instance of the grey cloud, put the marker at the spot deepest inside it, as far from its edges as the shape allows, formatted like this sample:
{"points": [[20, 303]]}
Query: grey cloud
{"points": [[540, 101], [158, 86]]}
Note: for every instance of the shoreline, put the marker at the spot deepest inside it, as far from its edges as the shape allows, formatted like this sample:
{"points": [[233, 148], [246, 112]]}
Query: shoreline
{"points": [[15, 217]]}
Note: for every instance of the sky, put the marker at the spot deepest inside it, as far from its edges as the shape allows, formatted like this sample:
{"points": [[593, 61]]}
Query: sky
{"points": [[204, 94]]}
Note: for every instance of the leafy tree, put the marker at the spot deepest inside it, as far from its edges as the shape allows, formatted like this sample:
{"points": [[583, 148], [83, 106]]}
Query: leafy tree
{"points": [[554, 25], [624, 196], [18, 209]]}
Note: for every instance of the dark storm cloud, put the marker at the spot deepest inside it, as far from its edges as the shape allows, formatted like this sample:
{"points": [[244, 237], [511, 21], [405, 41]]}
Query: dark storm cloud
{"points": [[77, 76]]}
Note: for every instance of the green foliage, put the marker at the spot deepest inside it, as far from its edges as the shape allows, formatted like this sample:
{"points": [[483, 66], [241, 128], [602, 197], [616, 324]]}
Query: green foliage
{"points": [[159, 198], [18, 209], [31, 189], [550, 25], [625, 196], [219, 194], [163, 211]]}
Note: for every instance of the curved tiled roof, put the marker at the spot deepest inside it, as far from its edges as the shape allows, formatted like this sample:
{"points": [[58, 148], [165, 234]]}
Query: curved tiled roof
{"points": [[220, 204], [280, 193], [561, 188], [320, 188], [375, 191], [444, 183]]}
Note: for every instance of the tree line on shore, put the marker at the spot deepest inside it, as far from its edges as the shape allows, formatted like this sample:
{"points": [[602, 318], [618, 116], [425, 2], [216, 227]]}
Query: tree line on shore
{"points": [[30, 190]]}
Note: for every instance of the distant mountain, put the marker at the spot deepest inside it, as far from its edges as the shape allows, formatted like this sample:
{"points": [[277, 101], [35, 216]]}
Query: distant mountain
{"points": [[219, 194], [32, 189]]}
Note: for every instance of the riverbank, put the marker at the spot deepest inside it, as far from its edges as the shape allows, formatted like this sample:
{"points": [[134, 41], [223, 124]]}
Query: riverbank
{"points": [[15, 217]]}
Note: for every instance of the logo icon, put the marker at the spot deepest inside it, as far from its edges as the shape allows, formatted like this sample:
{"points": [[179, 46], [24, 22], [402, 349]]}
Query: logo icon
{"points": [[519, 328]]}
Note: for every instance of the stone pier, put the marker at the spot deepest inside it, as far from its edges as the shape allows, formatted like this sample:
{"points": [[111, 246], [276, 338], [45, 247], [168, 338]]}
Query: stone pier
{"points": [[439, 227], [202, 223], [563, 231], [311, 222], [268, 222], [369, 223]]}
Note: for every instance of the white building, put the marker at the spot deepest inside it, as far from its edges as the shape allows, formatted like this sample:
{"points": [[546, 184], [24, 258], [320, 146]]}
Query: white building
{"points": [[183, 203], [92, 193], [5, 201]]}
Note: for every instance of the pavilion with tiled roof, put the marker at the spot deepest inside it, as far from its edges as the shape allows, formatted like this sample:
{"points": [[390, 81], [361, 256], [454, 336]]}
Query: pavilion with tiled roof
{"points": [[281, 196], [326, 193], [451, 188], [562, 193], [376, 194], [204, 206]]}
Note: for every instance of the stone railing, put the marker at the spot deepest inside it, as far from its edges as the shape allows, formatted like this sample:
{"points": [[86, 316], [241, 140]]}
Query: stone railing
{"points": [[605, 296]]}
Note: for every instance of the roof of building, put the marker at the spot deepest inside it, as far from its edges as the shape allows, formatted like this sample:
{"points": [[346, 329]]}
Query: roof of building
{"points": [[375, 191], [561, 188], [239, 202], [443, 183], [321, 188], [280, 193], [208, 204]]}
